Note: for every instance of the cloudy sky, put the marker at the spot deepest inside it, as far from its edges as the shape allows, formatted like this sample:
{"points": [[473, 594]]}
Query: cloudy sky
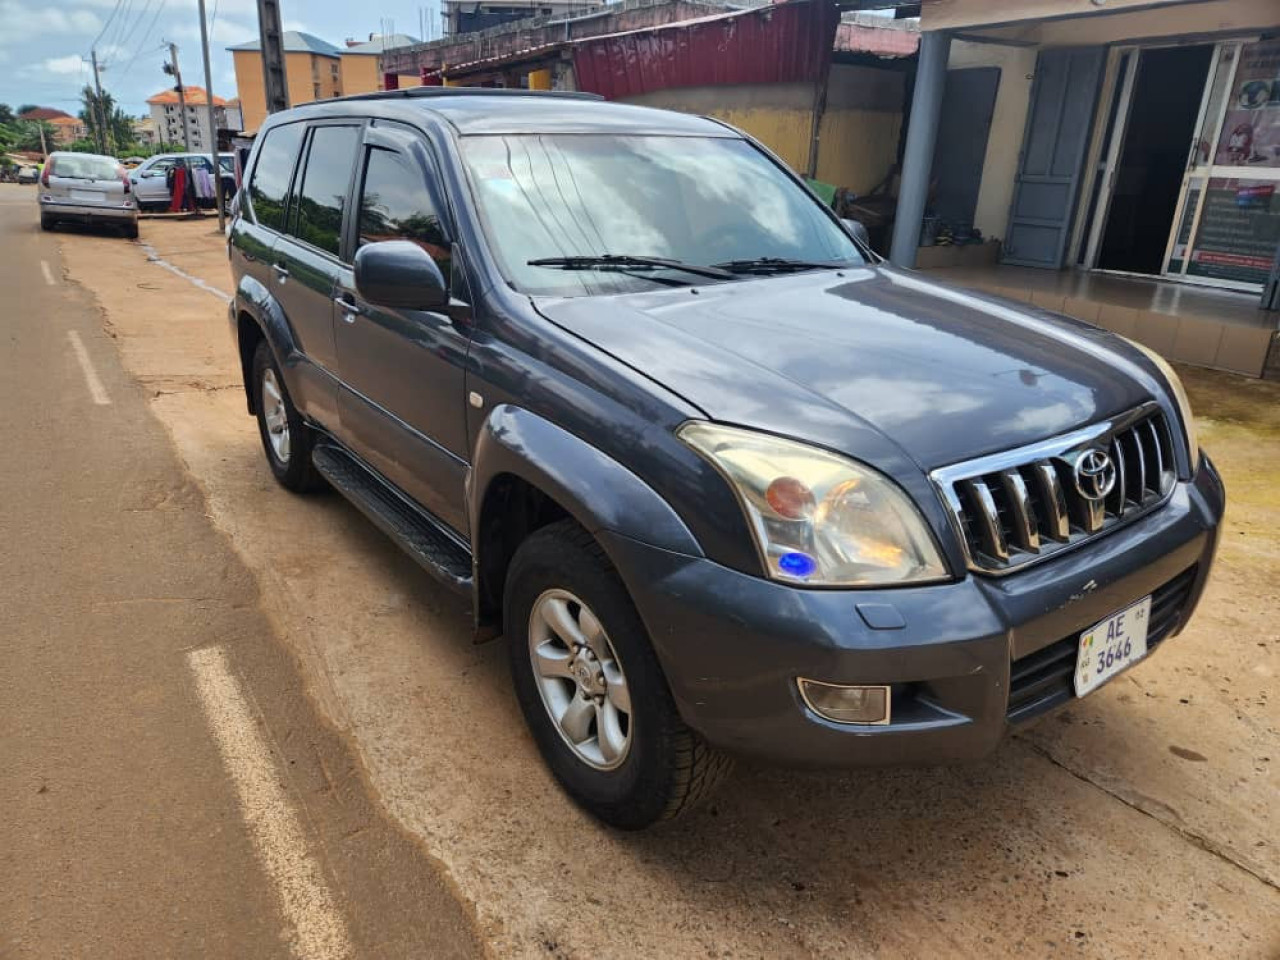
{"points": [[44, 44]]}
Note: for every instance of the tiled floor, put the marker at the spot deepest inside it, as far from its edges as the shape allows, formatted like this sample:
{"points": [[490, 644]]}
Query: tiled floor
{"points": [[1199, 325]]}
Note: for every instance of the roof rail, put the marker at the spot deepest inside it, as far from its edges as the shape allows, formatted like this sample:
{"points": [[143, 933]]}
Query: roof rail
{"points": [[427, 93]]}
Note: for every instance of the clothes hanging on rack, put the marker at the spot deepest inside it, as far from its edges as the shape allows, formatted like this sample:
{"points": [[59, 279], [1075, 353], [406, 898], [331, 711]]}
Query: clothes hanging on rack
{"points": [[203, 183], [178, 190]]}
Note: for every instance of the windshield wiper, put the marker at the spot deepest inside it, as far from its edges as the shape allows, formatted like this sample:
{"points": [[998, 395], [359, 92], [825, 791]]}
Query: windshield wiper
{"points": [[772, 265], [619, 261]]}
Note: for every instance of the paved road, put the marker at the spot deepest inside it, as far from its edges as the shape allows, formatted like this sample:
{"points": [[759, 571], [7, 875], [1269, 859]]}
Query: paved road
{"points": [[1138, 823], [166, 789]]}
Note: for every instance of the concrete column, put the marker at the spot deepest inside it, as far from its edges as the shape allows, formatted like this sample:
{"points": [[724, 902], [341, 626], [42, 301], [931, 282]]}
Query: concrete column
{"points": [[917, 161]]}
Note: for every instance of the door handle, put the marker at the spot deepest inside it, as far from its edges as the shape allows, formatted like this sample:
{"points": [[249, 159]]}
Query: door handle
{"points": [[348, 307], [281, 270]]}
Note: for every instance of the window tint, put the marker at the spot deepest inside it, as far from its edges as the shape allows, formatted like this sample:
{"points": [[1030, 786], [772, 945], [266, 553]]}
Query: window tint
{"points": [[324, 186], [271, 174], [396, 205]]}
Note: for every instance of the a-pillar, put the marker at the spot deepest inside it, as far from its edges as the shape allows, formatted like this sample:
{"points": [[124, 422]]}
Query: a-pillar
{"points": [[922, 135]]}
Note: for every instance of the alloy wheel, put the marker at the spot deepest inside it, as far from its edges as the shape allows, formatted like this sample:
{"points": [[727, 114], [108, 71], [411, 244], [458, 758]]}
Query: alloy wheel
{"points": [[580, 679], [275, 416]]}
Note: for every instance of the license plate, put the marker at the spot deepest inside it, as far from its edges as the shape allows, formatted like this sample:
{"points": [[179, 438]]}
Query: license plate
{"points": [[1112, 645], [90, 196]]}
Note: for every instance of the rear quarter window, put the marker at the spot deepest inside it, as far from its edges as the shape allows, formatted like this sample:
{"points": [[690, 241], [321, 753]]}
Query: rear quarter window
{"points": [[272, 172]]}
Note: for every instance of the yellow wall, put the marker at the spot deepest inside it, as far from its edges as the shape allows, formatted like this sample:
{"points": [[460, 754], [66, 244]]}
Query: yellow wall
{"points": [[860, 127], [302, 72], [253, 101], [361, 73], [1008, 119], [779, 115], [858, 142]]}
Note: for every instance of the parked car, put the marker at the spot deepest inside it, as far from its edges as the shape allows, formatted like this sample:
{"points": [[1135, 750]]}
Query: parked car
{"points": [[86, 188], [150, 179], [727, 482], [28, 174]]}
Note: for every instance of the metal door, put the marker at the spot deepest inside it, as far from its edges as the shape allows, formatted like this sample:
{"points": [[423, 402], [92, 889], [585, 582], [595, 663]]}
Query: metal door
{"points": [[1059, 121], [963, 129]]}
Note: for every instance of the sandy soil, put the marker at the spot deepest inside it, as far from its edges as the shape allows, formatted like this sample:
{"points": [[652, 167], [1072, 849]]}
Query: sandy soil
{"points": [[1140, 822]]}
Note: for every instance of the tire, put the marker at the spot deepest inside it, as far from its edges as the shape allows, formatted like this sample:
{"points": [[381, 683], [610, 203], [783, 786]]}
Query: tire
{"points": [[666, 768], [131, 231], [290, 462], [46, 223]]}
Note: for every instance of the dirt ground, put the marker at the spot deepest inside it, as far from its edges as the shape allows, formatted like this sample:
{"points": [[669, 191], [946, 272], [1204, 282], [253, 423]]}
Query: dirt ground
{"points": [[1141, 822]]}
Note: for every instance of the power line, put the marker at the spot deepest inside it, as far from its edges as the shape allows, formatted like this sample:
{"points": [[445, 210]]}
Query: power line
{"points": [[141, 43], [114, 11]]}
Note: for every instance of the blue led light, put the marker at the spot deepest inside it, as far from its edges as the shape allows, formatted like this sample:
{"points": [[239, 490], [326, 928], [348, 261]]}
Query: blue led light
{"points": [[797, 564]]}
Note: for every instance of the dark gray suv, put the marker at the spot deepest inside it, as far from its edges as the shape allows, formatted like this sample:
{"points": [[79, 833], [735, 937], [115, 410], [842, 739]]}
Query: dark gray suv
{"points": [[726, 482]]}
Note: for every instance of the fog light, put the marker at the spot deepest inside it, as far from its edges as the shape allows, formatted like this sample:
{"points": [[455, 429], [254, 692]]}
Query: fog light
{"points": [[846, 704]]}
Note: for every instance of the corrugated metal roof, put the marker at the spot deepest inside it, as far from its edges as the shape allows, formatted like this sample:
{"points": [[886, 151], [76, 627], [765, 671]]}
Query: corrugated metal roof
{"points": [[295, 41], [887, 42], [381, 44], [785, 42]]}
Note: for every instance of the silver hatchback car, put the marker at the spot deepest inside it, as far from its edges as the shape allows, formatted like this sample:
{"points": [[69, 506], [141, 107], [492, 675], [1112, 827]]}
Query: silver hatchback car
{"points": [[86, 188]]}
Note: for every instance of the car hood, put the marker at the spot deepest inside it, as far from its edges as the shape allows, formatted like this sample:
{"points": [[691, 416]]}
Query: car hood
{"points": [[941, 373]]}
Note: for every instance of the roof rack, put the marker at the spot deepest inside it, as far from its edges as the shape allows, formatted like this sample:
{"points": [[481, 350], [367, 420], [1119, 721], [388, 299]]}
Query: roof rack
{"points": [[427, 93]]}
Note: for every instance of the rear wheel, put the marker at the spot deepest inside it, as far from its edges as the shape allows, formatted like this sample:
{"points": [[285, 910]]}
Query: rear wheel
{"points": [[131, 231], [286, 439], [46, 223], [592, 690]]}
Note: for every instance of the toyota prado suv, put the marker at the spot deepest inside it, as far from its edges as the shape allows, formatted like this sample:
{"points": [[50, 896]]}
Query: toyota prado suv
{"points": [[725, 481]]}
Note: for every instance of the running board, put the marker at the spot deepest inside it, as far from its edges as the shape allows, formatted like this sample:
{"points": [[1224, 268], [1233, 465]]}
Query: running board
{"points": [[414, 531]]}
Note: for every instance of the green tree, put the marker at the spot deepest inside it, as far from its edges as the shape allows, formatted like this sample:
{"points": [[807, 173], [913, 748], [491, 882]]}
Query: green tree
{"points": [[119, 129], [6, 113]]}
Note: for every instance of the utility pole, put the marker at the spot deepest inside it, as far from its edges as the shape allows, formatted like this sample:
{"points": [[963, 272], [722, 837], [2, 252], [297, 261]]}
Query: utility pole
{"points": [[275, 88], [213, 126], [171, 68], [104, 142]]}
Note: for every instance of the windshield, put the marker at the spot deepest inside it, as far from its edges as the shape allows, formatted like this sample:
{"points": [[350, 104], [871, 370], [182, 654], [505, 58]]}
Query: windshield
{"points": [[699, 200], [85, 167]]}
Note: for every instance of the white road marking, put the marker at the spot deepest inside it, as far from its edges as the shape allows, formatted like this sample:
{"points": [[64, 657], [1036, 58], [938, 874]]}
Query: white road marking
{"points": [[278, 838], [48, 274], [155, 258], [96, 389]]}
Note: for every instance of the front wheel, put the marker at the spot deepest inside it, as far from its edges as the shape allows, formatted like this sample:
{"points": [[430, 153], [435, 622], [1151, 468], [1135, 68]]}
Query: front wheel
{"points": [[592, 690], [286, 439]]}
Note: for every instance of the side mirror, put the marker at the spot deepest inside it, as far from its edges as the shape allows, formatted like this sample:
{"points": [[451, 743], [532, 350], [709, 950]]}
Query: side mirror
{"points": [[399, 274], [859, 231]]}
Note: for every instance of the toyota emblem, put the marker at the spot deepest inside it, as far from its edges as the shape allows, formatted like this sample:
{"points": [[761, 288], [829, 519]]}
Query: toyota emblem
{"points": [[1095, 474]]}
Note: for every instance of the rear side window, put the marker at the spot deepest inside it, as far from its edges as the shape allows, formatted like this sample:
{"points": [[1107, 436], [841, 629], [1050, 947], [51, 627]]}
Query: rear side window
{"points": [[396, 205], [271, 174], [323, 194]]}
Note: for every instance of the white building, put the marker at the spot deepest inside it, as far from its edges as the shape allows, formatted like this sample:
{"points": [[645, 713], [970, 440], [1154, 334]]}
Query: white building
{"points": [[166, 114]]}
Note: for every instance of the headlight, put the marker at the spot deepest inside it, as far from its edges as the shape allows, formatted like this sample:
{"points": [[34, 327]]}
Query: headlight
{"points": [[1180, 397], [819, 518]]}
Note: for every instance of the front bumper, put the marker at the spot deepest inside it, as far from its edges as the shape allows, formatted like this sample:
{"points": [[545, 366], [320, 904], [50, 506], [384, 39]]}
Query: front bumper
{"points": [[78, 213], [732, 645]]}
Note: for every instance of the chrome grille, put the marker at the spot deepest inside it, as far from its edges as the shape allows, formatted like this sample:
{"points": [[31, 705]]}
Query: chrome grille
{"points": [[1026, 504]]}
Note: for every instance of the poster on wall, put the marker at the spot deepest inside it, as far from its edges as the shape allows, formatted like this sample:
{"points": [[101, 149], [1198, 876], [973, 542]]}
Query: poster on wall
{"points": [[1239, 231], [1251, 130]]}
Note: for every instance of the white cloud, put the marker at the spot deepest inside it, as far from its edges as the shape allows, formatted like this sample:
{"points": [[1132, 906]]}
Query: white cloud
{"points": [[24, 21], [71, 63]]}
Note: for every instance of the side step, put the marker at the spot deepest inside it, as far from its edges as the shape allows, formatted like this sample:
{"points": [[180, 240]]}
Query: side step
{"points": [[416, 533]]}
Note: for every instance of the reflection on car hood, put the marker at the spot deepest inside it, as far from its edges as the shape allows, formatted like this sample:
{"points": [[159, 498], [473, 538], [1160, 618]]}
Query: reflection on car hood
{"points": [[943, 373]]}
